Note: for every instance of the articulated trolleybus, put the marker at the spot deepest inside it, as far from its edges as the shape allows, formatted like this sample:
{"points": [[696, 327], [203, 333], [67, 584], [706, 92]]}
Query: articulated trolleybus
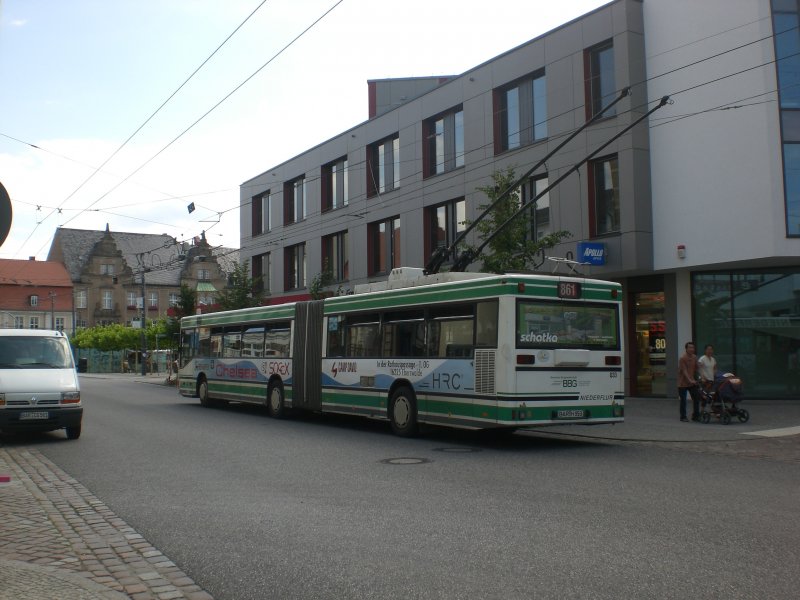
{"points": [[466, 350]]}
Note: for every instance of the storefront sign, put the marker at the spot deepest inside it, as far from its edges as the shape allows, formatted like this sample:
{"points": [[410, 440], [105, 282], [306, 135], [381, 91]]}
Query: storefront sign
{"points": [[591, 253]]}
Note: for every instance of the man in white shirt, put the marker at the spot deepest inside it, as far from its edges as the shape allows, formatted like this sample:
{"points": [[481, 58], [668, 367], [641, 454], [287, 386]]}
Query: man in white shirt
{"points": [[707, 365]]}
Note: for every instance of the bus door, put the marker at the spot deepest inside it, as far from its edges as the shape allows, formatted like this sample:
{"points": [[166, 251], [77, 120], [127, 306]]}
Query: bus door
{"points": [[307, 356]]}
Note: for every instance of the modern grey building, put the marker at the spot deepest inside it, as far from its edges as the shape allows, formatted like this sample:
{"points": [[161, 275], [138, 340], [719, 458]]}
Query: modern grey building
{"points": [[389, 191]]}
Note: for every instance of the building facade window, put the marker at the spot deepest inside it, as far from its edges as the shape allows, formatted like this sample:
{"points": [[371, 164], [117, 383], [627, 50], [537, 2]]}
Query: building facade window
{"points": [[443, 223], [260, 272], [131, 299], [335, 256], [203, 274], [335, 192], [295, 267], [108, 300], [60, 323], [33, 323], [521, 113], [443, 139], [174, 299], [106, 269], [383, 166], [786, 21], [294, 200], [261, 207], [604, 195], [80, 299], [153, 301], [384, 246], [34, 300], [751, 318], [540, 212], [19, 322], [599, 76], [205, 300]]}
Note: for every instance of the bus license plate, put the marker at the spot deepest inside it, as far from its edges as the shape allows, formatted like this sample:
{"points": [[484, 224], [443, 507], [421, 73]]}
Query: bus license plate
{"points": [[571, 414], [33, 415]]}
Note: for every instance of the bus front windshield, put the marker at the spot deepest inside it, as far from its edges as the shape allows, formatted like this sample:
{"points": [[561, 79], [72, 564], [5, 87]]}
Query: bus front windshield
{"points": [[543, 324]]}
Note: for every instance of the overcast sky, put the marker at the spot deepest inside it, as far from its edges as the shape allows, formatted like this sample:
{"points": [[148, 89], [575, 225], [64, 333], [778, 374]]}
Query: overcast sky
{"points": [[79, 77]]}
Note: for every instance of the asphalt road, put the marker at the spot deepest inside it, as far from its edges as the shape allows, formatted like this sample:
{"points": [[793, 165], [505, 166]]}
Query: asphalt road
{"points": [[321, 507]]}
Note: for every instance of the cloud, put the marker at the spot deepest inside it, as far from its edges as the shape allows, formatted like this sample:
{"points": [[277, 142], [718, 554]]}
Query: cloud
{"points": [[19, 22]]}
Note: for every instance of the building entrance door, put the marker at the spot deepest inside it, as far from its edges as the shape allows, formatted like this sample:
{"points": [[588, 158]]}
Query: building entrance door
{"points": [[650, 352]]}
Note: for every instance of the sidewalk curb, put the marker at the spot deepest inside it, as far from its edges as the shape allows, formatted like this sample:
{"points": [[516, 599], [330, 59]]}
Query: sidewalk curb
{"points": [[21, 578]]}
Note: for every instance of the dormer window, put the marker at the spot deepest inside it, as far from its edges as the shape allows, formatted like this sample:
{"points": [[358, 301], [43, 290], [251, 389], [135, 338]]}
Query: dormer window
{"points": [[203, 274], [34, 300], [106, 269]]}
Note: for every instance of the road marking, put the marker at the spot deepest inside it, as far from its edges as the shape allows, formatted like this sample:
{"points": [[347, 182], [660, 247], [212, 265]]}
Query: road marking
{"points": [[775, 432]]}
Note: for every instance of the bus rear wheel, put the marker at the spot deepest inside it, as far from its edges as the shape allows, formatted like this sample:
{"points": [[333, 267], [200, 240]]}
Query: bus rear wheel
{"points": [[202, 391], [275, 407], [403, 412]]}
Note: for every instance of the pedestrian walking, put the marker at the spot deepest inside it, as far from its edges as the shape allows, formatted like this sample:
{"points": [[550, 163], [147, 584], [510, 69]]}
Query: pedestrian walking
{"points": [[707, 367], [687, 381]]}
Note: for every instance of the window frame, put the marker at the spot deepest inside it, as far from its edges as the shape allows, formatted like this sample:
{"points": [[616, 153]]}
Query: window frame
{"points": [[336, 252], [531, 125], [261, 209], [335, 184], [383, 166], [594, 188], [392, 245], [292, 203], [596, 79], [443, 142], [295, 263], [453, 227]]}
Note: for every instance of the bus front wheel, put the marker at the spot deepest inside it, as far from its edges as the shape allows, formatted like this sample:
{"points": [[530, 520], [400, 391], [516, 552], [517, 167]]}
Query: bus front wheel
{"points": [[403, 412], [275, 406]]}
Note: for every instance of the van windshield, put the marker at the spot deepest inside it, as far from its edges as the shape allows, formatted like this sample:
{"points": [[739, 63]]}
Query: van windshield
{"points": [[23, 352]]}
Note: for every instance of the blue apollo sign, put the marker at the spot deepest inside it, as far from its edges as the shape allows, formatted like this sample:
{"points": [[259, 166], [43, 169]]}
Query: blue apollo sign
{"points": [[591, 253]]}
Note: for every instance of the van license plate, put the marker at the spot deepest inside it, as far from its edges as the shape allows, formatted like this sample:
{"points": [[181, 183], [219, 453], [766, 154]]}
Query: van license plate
{"points": [[33, 415], [571, 414]]}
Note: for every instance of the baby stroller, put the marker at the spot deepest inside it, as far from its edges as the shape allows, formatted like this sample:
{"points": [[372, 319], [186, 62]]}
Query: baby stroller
{"points": [[721, 398]]}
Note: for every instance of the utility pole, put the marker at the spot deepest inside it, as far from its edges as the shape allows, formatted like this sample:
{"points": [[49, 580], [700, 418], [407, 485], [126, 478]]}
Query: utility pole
{"points": [[143, 337]]}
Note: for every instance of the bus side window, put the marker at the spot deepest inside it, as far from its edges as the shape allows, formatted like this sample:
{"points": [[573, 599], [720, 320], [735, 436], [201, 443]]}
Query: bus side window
{"points": [[362, 335], [204, 342], [232, 342], [277, 340], [486, 325], [451, 331], [335, 336], [216, 342], [253, 341], [405, 339]]}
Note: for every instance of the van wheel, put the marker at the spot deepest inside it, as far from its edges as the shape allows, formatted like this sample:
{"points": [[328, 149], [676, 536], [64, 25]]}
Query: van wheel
{"points": [[403, 412], [202, 391], [73, 433], [275, 406]]}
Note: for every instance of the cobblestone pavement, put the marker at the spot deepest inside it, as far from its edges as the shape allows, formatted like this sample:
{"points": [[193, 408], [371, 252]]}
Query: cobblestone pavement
{"points": [[59, 542]]}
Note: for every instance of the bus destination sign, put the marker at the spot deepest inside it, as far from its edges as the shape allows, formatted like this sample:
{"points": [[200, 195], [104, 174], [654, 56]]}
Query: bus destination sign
{"points": [[569, 289]]}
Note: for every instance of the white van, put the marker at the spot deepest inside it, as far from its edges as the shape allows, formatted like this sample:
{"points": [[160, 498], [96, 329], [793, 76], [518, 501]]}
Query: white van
{"points": [[39, 388]]}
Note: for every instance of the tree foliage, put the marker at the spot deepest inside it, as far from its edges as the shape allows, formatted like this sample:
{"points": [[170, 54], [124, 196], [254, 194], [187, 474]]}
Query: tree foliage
{"points": [[119, 337], [321, 280], [187, 303], [239, 293], [512, 249]]}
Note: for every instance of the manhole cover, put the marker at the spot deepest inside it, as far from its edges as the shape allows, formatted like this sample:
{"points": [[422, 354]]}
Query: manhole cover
{"points": [[457, 450], [405, 461]]}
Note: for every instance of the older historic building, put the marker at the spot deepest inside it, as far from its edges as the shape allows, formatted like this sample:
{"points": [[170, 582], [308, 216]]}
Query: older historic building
{"points": [[118, 276]]}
